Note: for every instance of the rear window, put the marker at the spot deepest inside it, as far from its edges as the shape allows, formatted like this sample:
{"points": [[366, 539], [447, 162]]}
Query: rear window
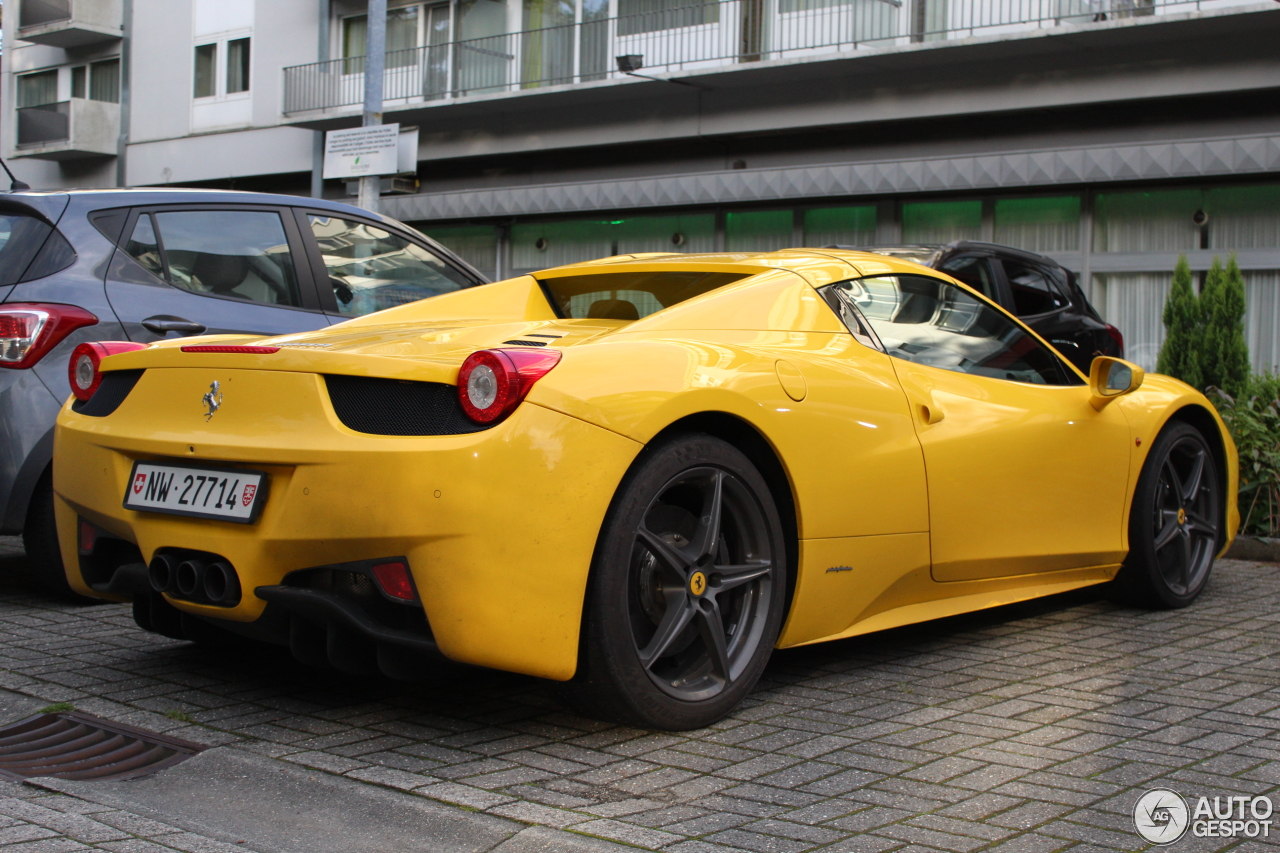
{"points": [[630, 295], [21, 238]]}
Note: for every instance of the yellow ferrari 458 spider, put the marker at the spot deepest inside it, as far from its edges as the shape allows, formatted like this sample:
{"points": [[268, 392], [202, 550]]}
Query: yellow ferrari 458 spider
{"points": [[637, 475]]}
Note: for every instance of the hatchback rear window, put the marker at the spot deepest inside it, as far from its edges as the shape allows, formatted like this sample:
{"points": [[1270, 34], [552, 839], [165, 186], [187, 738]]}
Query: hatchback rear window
{"points": [[630, 295], [21, 238]]}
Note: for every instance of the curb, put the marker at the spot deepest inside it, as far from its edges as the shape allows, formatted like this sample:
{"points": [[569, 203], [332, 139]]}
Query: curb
{"points": [[1257, 548]]}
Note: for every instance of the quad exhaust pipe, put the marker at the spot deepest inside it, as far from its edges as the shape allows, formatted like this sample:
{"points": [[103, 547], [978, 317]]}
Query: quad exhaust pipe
{"points": [[221, 584], [195, 579]]}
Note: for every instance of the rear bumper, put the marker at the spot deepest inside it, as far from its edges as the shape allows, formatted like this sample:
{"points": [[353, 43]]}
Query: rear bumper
{"points": [[498, 527]]}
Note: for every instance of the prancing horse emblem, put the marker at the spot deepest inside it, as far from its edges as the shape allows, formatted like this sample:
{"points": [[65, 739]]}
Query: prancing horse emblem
{"points": [[212, 400]]}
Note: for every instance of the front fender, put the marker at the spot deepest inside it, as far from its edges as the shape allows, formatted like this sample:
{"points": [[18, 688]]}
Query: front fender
{"points": [[1150, 408]]}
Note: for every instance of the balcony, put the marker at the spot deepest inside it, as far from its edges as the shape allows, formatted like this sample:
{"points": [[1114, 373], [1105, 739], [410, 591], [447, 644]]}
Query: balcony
{"points": [[709, 36], [69, 23], [70, 130]]}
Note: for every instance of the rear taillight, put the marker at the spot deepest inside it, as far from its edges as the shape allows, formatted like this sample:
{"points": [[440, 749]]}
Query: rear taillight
{"points": [[1117, 337], [28, 330], [492, 382], [85, 372]]}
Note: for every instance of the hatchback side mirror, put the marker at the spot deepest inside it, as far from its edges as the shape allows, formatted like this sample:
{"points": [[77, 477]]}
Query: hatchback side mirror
{"points": [[1112, 377]]}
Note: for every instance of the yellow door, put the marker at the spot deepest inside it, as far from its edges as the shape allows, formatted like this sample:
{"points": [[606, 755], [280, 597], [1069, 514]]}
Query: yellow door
{"points": [[1024, 475]]}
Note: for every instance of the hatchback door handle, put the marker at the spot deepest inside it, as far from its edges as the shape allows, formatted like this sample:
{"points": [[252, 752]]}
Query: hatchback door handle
{"points": [[162, 323]]}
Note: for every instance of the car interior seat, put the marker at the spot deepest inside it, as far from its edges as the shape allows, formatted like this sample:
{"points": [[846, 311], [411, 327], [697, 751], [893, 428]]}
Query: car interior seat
{"points": [[613, 309]]}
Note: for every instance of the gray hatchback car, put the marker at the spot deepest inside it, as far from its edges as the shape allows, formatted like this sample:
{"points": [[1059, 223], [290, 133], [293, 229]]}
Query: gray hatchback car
{"points": [[141, 265]]}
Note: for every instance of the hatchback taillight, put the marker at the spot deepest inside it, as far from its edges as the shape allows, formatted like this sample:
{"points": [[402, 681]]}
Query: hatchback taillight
{"points": [[492, 382], [1117, 337], [85, 371], [28, 330]]}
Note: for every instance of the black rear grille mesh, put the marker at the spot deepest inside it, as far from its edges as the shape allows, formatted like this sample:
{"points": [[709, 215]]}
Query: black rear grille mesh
{"points": [[398, 407], [115, 386]]}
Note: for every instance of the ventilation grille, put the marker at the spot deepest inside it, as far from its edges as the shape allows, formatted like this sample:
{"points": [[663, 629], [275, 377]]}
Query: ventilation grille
{"points": [[398, 407], [526, 343], [116, 385], [77, 746]]}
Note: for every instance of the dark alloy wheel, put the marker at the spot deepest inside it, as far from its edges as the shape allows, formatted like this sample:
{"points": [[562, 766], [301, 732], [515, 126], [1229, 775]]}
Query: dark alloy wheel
{"points": [[1175, 523], [687, 591]]}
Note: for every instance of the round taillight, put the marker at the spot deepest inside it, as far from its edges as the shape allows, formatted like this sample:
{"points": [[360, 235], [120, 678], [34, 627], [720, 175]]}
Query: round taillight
{"points": [[492, 382], [83, 370], [487, 386]]}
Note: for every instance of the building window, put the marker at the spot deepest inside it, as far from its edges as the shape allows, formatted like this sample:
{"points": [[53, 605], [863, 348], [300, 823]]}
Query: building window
{"points": [[237, 65], [206, 70], [941, 221], [222, 67], [402, 36], [36, 90], [104, 81], [98, 81]]}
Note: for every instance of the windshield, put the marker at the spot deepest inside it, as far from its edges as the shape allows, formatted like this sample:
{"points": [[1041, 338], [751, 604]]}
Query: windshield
{"points": [[630, 295], [923, 255]]}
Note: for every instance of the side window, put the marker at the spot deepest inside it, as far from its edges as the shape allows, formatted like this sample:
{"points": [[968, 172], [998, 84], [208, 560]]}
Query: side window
{"points": [[935, 323], [237, 254], [371, 269], [144, 248], [975, 272], [1033, 290]]}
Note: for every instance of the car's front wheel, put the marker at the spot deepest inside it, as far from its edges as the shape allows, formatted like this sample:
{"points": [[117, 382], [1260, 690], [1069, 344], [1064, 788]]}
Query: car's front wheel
{"points": [[687, 589], [1174, 525]]}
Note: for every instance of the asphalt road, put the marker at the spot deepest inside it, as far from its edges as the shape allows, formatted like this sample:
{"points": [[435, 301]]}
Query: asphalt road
{"points": [[1027, 729]]}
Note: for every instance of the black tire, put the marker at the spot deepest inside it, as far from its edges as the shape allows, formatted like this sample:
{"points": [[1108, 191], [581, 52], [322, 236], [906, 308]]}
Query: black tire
{"points": [[40, 539], [1174, 525], [687, 591]]}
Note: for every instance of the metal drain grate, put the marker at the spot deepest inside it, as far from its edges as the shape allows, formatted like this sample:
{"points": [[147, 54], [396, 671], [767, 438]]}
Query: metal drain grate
{"points": [[77, 746]]}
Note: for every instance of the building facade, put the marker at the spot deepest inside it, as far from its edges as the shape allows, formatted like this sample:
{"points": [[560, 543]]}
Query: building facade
{"points": [[1113, 135]]}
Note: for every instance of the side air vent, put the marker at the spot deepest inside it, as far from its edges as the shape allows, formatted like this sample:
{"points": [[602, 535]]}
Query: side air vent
{"points": [[398, 407], [77, 746], [526, 343], [116, 385]]}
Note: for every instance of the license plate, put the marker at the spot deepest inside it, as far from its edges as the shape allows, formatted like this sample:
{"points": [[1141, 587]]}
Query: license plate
{"points": [[227, 494]]}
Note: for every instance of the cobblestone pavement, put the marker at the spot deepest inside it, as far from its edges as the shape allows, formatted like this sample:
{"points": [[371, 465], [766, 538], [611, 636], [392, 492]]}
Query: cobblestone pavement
{"points": [[1028, 729]]}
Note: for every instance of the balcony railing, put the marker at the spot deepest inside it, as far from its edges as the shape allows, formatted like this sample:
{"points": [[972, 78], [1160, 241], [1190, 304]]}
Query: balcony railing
{"points": [[44, 124], [36, 13], [692, 38]]}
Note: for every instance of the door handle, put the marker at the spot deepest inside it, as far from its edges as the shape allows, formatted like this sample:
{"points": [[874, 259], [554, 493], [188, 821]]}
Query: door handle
{"points": [[162, 323]]}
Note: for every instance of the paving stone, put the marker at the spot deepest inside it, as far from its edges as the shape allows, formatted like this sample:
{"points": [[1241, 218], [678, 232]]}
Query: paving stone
{"points": [[1026, 729]]}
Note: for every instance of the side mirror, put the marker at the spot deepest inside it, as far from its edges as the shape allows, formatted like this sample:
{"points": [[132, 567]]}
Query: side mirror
{"points": [[1112, 377]]}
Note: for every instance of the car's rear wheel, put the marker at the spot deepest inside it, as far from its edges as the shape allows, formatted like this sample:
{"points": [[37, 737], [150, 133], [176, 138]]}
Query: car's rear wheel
{"points": [[687, 589], [1174, 525], [40, 540]]}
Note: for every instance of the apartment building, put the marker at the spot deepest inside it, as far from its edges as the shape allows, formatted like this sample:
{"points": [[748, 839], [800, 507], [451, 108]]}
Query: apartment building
{"points": [[1113, 135]]}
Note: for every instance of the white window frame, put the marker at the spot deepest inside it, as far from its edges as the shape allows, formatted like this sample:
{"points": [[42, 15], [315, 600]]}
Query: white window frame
{"points": [[221, 57]]}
